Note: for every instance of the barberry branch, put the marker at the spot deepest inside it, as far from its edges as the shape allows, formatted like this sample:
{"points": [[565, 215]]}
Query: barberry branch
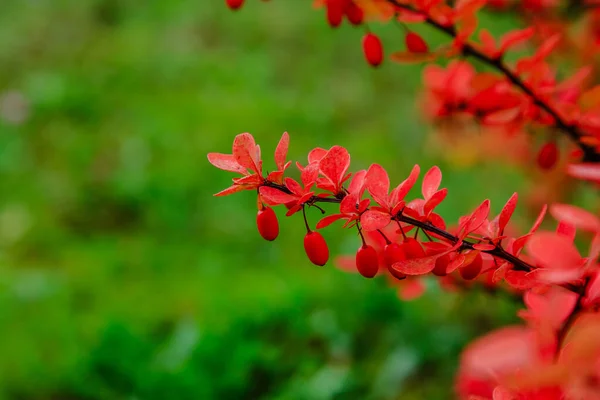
{"points": [[498, 251], [589, 153]]}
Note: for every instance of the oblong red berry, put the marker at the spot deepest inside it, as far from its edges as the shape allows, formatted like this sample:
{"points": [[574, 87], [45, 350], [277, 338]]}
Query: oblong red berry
{"points": [[415, 43], [354, 13], [472, 270], [316, 248], [234, 4], [367, 262], [412, 249], [335, 12], [372, 49], [548, 155], [267, 224]]}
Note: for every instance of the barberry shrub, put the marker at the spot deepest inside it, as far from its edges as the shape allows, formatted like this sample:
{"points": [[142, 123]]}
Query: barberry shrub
{"points": [[555, 352]]}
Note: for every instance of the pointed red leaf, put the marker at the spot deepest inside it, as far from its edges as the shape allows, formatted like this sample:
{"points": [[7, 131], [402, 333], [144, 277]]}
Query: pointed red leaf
{"points": [[309, 175], [566, 229], [431, 182], [348, 204], [435, 200], [294, 186], [274, 196], [230, 190], [372, 220], [515, 37], [281, 151], [402, 189], [246, 152], [539, 219], [335, 164], [377, 182], [585, 171], [357, 185], [576, 216], [477, 218], [226, 162], [507, 211], [551, 250], [328, 220]]}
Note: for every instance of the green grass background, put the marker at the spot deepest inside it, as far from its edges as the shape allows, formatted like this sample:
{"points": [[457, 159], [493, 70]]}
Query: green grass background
{"points": [[121, 277]]}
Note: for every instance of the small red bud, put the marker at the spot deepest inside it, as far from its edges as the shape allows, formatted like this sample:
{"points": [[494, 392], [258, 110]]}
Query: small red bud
{"points": [[335, 12], [367, 262], [373, 49], [441, 265], [393, 253], [355, 14], [267, 224], [316, 248], [415, 43], [413, 249], [234, 4], [472, 270], [548, 156]]}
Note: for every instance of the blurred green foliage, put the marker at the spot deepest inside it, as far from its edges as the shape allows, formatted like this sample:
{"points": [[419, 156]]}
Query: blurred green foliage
{"points": [[121, 277]]}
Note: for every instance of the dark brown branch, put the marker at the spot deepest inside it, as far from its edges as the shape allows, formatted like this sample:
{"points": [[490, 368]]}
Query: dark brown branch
{"points": [[590, 154]]}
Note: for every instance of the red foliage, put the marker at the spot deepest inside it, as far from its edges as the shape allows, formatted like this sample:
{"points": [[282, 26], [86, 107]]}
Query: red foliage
{"points": [[555, 353]]}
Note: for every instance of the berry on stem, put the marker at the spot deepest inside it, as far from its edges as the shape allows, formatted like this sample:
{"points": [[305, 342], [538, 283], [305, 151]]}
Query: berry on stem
{"points": [[548, 155], [367, 262], [373, 49], [316, 248], [234, 4], [267, 224], [415, 43]]}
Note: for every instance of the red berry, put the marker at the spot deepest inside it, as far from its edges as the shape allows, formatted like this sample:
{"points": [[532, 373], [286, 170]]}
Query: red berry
{"points": [[367, 262], [548, 155], [472, 270], [234, 4], [413, 249], [415, 43], [335, 12], [441, 265], [393, 253], [267, 224], [316, 248], [355, 14], [373, 49]]}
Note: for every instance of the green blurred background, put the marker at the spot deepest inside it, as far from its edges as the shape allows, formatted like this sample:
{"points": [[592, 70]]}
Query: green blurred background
{"points": [[121, 277]]}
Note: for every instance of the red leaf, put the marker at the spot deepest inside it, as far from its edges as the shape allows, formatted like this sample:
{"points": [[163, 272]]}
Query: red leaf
{"points": [[294, 186], [566, 229], [316, 155], [328, 220], [372, 220], [502, 117], [402, 189], [358, 183], [551, 250], [246, 152], [585, 171], [274, 196], [281, 151], [435, 200], [348, 204], [507, 211], [309, 175], [515, 37], [226, 162], [335, 164], [477, 218], [431, 182], [378, 184], [230, 190], [416, 266], [539, 219]]}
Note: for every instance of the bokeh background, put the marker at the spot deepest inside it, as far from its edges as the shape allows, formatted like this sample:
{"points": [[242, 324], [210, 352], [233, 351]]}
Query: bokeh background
{"points": [[121, 277]]}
